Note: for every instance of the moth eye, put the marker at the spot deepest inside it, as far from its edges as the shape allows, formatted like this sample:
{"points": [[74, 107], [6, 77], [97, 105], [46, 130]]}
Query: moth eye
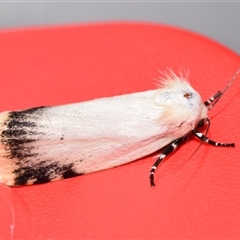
{"points": [[187, 95], [201, 123]]}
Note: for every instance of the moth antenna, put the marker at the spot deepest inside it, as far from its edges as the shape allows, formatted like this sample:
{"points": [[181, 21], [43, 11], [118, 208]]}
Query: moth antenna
{"points": [[230, 83], [220, 94]]}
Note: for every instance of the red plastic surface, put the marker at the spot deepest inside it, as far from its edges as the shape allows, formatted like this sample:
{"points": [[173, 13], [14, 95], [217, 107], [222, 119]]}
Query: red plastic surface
{"points": [[196, 198]]}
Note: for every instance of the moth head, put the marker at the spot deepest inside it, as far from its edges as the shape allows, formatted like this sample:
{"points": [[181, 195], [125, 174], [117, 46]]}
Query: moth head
{"points": [[180, 101]]}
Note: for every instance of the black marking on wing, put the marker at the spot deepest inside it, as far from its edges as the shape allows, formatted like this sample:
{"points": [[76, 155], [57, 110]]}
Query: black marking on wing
{"points": [[19, 133], [19, 129], [42, 173]]}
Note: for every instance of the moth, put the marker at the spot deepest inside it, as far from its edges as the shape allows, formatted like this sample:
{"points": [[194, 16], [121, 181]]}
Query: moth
{"points": [[45, 144]]}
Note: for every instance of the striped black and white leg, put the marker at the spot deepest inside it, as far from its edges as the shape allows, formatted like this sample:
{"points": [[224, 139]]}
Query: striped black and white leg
{"points": [[165, 152], [211, 142]]}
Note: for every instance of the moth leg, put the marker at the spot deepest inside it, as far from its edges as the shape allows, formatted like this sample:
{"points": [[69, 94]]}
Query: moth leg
{"points": [[165, 152], [211, 142]]}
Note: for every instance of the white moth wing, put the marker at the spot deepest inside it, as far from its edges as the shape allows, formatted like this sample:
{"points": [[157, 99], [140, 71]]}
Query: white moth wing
{"points": [[95, 135]]}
